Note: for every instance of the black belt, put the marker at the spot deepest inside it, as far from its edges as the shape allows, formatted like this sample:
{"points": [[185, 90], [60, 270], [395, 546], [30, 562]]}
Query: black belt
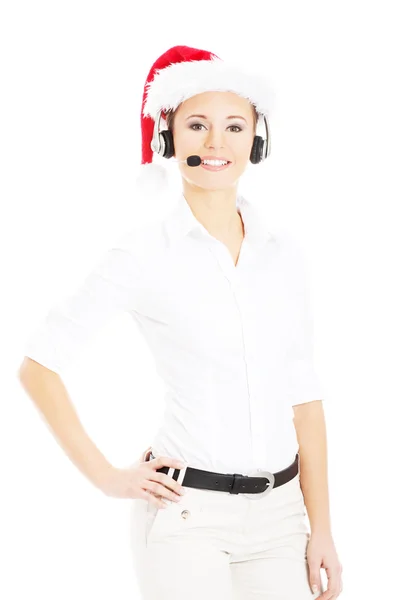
{"points": [[234, 483]]}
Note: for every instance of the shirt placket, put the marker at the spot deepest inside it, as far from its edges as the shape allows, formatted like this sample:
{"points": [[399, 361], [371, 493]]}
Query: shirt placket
{"points": [[235, 277]]}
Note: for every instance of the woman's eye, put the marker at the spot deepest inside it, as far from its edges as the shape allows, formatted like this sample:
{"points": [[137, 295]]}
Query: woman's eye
{"points": [[201, 125]]}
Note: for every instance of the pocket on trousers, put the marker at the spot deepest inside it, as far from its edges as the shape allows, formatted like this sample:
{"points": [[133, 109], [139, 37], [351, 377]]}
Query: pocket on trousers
{"points": [[298, 491], [287, 497], [290, 490], [176, 518], [150, 517], [138, 510]]}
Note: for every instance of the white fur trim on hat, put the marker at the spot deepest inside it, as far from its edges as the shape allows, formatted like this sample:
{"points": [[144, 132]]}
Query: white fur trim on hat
{"points": [[179, 81]]}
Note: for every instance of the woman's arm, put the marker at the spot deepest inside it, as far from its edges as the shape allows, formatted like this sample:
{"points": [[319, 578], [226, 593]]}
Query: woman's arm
{"points": [[310, 426], [47, 390]]}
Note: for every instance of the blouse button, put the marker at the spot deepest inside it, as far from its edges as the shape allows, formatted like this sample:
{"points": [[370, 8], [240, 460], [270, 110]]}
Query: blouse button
{"points": [[185, 514]]}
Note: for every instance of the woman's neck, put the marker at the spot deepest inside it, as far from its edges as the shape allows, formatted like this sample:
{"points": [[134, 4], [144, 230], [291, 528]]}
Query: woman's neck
{"points": [[217, 211]]}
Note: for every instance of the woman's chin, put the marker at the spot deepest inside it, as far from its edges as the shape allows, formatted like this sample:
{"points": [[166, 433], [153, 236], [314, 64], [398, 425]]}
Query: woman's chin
{"points": [[212, 180], [211, 186]]}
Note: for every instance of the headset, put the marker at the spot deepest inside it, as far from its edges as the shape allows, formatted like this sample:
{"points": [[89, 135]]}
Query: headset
{"points": [[163, 142]]}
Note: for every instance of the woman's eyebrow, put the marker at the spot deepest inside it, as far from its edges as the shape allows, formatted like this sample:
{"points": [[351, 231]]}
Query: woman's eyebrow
{"points": [[230, 117]]}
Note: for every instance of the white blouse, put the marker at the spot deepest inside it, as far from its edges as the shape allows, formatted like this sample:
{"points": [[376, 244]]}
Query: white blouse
{"points": [[233, 344]]}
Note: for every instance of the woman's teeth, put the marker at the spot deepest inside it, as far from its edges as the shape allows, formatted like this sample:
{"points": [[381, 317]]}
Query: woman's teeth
{"points": [[215, 163]]}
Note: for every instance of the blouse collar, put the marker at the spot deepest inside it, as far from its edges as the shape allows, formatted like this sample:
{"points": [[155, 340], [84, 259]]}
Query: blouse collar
{"points": [[182, 222]]}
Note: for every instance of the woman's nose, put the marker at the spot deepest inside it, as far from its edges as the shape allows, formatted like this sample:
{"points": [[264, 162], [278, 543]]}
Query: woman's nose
{"points": [[214, 139]]}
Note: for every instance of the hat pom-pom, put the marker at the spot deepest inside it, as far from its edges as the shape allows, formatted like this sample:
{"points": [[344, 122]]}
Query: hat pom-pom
{"points": [[153, 194], [152, 179]]}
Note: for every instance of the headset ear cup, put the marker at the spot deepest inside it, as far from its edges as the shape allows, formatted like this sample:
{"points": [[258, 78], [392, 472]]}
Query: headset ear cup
{"points": [[256, 150], [169, 150]]}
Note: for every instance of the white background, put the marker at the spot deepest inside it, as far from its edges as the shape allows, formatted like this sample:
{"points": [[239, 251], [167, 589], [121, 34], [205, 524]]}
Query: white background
{"points": [[72, 77]]}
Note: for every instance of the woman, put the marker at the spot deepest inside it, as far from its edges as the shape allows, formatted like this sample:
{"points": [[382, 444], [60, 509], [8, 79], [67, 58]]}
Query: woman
{"points": [[218, 499]]}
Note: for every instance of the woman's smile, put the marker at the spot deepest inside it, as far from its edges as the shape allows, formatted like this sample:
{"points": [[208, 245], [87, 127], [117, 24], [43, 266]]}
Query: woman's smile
{"points": [[210, 167]]}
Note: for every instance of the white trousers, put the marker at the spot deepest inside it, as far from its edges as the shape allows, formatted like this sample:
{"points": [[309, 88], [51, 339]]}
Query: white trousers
{"points": [[219, 546]]}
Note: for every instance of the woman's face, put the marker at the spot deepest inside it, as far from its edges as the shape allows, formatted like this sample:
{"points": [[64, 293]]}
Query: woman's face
{"points": [[225, 129]]}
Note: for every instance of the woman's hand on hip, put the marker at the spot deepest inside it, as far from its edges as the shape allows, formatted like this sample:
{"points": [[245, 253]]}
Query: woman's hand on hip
{"points": [[141, 480]]}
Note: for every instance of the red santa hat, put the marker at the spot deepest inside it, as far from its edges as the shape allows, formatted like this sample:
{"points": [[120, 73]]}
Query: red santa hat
{"points": [[178, 74]]}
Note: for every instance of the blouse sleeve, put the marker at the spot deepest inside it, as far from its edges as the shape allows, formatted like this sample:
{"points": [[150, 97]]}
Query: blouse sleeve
{"points": [[304, 384], [75, 320]]}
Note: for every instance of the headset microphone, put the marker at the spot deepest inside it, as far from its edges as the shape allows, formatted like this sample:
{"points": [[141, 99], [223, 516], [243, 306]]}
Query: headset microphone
{"points": [[193, 160]]}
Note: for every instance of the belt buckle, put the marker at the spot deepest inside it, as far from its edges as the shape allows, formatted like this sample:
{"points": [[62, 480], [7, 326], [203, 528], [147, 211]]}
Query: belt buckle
{"points": [[271, 478]]}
